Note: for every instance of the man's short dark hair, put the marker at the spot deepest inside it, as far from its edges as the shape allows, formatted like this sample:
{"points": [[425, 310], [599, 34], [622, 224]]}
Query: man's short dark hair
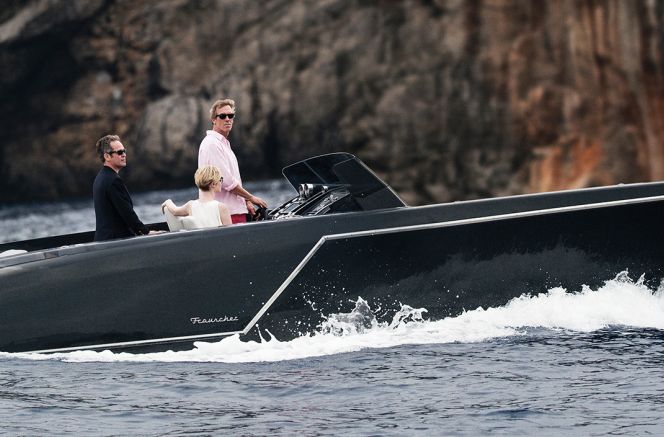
{"points": [[104, 145]]}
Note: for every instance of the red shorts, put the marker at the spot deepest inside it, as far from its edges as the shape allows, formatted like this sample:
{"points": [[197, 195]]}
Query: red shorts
{"points": [[239, 218]]}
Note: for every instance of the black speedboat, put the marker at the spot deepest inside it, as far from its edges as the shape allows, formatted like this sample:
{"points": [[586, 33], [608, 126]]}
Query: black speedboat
{"points": [[345, 235]]}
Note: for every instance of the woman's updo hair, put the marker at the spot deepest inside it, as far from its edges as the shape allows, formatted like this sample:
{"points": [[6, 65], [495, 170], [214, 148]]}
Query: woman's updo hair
{"points": [[206, 176]]}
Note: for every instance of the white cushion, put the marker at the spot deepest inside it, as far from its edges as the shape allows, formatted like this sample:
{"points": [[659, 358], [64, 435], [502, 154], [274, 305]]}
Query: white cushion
{"points": [[12, 252], [176, 223]]}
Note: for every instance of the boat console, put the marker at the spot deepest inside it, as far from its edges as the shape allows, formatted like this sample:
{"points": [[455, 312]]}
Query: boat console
{"points": [[331, 184]]}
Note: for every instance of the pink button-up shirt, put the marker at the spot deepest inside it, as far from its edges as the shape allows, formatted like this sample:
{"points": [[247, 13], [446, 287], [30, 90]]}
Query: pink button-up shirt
{"points": [[216, 150]]}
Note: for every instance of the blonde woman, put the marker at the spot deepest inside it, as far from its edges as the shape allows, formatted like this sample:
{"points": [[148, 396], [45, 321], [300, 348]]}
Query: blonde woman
{"points": [[206, 211]]}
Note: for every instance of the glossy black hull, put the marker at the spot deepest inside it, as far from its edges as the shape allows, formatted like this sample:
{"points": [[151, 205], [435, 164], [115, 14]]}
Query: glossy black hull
{"points": [[285, 276], [462, 267]]}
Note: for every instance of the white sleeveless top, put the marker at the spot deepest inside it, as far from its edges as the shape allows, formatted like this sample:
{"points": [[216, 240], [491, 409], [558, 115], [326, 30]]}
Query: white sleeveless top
{"points": [[205, 214]]}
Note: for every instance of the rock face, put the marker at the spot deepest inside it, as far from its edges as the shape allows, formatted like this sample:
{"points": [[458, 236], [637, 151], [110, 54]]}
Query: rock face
{"points": [[444, 99]]}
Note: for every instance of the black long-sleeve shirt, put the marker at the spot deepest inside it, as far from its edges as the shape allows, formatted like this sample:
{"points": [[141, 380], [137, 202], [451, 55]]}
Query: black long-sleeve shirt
{"points": [[114, 210]]}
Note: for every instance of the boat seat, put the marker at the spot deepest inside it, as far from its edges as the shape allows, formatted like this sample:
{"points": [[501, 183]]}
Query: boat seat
{"points": [[177, 223], [12, 252]]}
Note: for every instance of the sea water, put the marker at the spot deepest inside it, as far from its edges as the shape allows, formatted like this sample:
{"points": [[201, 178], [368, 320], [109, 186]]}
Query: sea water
{"points": [[566, 362]]}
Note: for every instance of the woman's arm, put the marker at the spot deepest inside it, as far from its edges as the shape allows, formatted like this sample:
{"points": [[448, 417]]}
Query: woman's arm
{"points": [[224, 215], [176, 210]]}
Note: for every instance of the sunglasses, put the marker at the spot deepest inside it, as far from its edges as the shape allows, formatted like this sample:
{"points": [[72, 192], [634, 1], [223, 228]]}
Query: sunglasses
{"points": [[119, 152], [223, 116]]}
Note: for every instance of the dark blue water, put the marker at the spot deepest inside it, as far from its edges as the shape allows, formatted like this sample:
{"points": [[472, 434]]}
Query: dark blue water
{"points": [[601, 383], [590, 362]]}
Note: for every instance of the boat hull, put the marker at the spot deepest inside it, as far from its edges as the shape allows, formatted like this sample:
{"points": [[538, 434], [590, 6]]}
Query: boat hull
{"points": [[286, 276]]}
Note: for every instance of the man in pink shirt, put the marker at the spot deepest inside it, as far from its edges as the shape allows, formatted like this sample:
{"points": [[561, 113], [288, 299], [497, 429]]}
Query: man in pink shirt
{"points": [[215, 149]]}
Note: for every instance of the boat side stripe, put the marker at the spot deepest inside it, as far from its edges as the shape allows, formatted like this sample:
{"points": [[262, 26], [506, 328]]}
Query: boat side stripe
{"points": [[436, 225]]}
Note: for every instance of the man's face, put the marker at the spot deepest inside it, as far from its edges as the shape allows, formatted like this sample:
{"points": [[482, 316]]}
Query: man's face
{"points": [[225, 124], [117, 158]]}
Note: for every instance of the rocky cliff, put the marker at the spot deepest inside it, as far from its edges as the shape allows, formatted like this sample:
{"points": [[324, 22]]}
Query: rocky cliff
{"points": [[445, 99]]}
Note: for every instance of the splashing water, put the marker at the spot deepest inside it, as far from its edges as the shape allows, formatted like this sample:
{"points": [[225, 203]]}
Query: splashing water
{"points": [[361, 319], [619, 302]]}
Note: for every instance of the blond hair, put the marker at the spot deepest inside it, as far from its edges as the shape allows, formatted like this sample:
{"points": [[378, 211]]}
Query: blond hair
{"points": [[206, 176], [220, 104]]}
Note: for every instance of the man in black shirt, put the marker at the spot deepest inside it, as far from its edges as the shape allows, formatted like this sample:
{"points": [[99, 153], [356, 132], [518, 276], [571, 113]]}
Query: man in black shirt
{"points": [[114, 210]]}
